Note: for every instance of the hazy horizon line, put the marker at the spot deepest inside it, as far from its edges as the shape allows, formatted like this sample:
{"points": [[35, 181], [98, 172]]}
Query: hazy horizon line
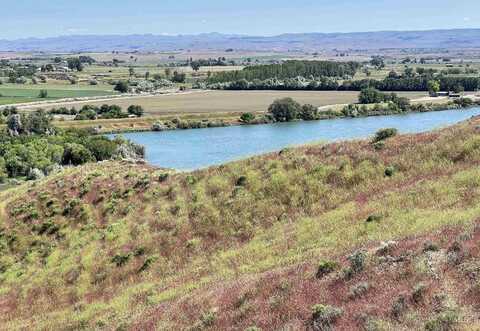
{"points": [[232, 34]]}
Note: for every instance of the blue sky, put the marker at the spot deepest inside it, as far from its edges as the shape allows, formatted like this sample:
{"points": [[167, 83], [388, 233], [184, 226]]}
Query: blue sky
{"points": [[43, 18]]}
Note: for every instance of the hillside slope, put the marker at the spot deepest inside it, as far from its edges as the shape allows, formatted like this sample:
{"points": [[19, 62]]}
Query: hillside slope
{"points": [[370, 236]]}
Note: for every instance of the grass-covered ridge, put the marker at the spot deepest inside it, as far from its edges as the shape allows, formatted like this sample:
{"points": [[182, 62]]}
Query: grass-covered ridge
{"points": [[116, 245]]}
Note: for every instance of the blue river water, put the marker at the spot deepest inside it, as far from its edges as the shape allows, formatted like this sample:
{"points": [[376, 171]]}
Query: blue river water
{"points": [[199, 148]]}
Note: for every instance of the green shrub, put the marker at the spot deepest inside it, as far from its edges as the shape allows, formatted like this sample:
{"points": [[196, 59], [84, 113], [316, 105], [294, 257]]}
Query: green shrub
{"points": [[163, 177], [371, 324], [247, 117], [70, 207], [76, 154], [142, 183], [121, 86], [208, 318], [357, 261], [324, 317], [148, 262], [101, 147], [399, 307], [379, 145], [48, 227], [371, 95], [139, 251], [135, 110], [463, 102], [389, 171], [430, 247], [3, 176], [358, 290], [191, 180], [444, 321], [43, 94], [383, 134], [326, 267], [308, 113], [373, 218], [418, 293], [241, 181], [284, 110], [454, 253], [121, 259]]}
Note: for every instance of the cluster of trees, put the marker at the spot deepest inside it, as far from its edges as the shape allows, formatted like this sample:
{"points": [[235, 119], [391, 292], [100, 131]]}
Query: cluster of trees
{"points": [[77, 63], [90, 112], [289, 69], [178, 77], [378, 62], [384, 104], [417, 83], [149, 84], [287, 109], [197, 64], [17, 73], [289, 84], [371, 95], [324, 75], [401, 83], [34, 123], [31, 147], [358, 110], [121, 86]]}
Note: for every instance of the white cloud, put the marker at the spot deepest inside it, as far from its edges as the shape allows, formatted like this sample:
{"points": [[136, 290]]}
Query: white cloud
{"points": [[76, 30], [466, 19]]}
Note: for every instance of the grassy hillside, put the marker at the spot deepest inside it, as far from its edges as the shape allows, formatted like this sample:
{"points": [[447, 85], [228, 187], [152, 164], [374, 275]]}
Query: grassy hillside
{"points": [[349, 235]]}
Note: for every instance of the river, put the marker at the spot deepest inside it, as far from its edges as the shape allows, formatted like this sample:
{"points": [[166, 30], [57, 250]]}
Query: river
{"points": [[199, 148]]}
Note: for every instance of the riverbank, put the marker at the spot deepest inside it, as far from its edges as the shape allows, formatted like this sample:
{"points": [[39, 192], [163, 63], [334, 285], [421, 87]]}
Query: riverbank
{"points": [[184, 121], [197, 149]]}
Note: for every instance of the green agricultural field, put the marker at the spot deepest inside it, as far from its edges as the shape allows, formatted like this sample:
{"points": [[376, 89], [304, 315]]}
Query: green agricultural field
{"points": [[11, 94]]}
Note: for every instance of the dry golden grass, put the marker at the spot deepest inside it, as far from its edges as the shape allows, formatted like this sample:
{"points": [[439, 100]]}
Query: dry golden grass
{"points": [[232, 101]]}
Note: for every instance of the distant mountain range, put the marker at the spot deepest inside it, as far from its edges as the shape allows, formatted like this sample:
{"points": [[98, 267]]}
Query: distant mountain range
{"points": [[433, 39]]}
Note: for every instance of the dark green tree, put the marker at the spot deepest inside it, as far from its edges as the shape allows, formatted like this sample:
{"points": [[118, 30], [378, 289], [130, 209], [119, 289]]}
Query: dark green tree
{"points": [[121, 86], [136, 110], [284, 110]]}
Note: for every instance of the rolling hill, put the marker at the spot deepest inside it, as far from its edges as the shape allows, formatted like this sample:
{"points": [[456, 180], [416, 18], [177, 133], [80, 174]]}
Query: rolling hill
{"points": [[349, 235], [434, 39]]}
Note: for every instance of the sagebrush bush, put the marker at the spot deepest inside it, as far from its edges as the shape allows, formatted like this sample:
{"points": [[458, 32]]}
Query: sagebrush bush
{"points": [[325, 316], [430, 247], [444, 321], [399, 307], [326, 267], [121, 259], [383, 134], [253, 328], [358, 290], [357, 261], [418, 293]]}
